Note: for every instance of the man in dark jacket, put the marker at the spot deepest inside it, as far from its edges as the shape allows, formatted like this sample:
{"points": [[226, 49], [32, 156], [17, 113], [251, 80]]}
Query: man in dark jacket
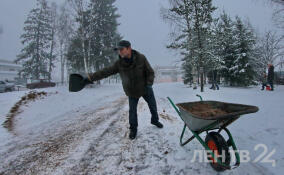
{"points": [[137, 79], [270, 76]]}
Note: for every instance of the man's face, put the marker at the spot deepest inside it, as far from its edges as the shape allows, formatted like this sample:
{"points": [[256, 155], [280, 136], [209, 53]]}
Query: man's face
{"points": [[124, 52]]}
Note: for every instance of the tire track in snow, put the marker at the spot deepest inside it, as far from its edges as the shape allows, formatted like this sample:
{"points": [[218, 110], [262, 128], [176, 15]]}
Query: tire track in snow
{"points": [[104, 136], [108, 149], [113, 153]]}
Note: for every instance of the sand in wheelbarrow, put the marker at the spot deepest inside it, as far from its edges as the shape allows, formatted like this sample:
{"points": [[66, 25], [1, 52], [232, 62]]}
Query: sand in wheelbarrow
{"points": [[206, 110]]}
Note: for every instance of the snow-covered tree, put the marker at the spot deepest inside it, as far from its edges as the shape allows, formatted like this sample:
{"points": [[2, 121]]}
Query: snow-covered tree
{"points": [[242, 72], [74, 56], [188, 73], [236, 49], [193, 19], [104, 34], [97, 33], [225, 45], [36, 40]]}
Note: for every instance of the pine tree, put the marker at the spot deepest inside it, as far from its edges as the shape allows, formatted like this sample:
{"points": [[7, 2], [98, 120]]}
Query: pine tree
{"points": [[104, 33], [225, 45], [36, 39], [75, 57], [193, 19], [187, 76], [237, 51], [242, 71], [97, 34]]}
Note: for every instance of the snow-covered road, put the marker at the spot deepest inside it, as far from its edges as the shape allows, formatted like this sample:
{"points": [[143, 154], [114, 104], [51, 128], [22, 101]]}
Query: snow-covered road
{"points": [[87, 133]]}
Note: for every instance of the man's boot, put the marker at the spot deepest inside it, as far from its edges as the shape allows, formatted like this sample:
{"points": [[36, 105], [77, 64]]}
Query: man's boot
{"points": [[158, 124], [132, 134]]}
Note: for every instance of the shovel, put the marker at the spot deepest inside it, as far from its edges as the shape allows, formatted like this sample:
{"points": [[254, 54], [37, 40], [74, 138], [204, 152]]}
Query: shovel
{"points": [[76, 82]]}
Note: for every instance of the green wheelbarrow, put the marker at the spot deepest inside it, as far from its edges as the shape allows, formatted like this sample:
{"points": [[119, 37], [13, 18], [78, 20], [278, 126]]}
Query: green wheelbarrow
{"points": [[217, 148]]}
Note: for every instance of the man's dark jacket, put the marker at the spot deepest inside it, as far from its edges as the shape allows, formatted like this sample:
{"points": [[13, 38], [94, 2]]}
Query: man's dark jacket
{"points": [[135, 75], [270, 76]]}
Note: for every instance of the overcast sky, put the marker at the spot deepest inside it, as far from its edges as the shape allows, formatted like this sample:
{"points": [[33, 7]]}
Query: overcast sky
{"points": [[140, 23]]}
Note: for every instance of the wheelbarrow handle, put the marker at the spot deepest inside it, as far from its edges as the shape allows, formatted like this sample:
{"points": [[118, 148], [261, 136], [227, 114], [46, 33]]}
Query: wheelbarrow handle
{"points": [[199, 97], [174, 105]]}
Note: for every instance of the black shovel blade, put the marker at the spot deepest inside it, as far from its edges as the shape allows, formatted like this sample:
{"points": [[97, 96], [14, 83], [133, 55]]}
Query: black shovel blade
{"points": [[76, 83]]}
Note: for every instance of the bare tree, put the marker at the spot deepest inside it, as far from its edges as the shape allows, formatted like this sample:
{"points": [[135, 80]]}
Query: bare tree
{"points": [[64, 35], [281, 2], [80, 8], [271, 50], [53, 14], [278, 18], [281, 62], [278, 14]]}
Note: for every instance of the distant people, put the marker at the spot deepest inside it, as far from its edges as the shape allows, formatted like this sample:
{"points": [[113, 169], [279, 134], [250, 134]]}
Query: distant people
{"points": [[214, 85], [214, 81], [264, 80], [270, 76]]}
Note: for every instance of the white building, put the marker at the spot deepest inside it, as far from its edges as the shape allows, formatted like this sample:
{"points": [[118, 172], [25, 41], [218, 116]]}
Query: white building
{"points": [[9, 70], [167, 74]]}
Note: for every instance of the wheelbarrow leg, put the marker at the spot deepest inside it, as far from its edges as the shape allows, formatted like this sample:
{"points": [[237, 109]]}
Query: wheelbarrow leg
{"points": [[232, 143], [188, 140]]}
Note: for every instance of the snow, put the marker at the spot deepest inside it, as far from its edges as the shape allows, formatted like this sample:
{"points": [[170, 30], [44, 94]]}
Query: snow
{"points": [[242, 71], [87, 132], [204, 25]]}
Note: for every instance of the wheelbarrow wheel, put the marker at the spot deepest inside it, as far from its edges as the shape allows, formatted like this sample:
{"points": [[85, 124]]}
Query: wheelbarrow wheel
{"points": [[218, 144]]}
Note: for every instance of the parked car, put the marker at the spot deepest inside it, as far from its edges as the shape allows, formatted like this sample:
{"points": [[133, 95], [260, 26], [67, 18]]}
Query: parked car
{"points": [[6, 86], [40, 84]]}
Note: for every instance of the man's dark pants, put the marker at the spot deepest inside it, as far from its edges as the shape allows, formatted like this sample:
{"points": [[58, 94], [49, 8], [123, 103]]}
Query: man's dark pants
{"points": [[133, 102]]}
